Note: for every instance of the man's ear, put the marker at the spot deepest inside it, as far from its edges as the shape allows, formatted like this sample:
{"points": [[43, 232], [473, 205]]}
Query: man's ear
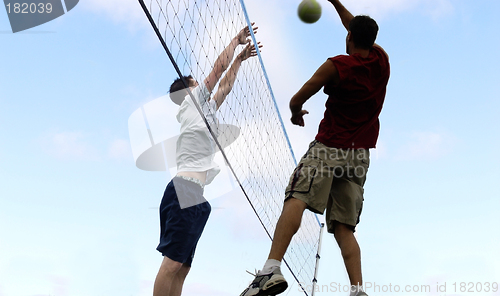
{"points": [[349, 36]]}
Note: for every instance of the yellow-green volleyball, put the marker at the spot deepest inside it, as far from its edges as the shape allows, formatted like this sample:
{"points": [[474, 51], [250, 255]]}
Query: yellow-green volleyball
{"points": [[309, 11]]}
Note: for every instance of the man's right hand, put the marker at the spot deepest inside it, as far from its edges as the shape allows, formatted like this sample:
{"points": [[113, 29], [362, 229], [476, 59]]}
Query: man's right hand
{"points": [[245, 33], [345, 15], [298, 118]]}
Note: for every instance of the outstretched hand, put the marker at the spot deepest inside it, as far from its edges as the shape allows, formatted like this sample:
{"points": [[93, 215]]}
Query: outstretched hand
{"points": [[298, 118], [249, 51], [245, 33]]}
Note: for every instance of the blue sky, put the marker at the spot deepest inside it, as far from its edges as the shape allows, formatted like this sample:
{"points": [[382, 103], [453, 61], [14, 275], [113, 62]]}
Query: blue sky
{"points": [[78, 218]]}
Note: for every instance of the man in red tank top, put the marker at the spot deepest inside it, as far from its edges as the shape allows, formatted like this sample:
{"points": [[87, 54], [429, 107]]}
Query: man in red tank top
{"points": [[331, 175]]}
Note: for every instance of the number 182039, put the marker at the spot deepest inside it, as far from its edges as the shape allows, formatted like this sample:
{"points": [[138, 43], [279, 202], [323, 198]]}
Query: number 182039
{"points": [[29, 8]]}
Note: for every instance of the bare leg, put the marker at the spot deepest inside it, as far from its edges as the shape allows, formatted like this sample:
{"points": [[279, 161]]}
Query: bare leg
{"points": [[288, 224], [350, 252], [164, 282], [176, 288]]}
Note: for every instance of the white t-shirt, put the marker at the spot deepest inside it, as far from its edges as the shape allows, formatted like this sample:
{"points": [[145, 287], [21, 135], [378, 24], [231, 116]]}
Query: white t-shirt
{"points": [[195, 146]]}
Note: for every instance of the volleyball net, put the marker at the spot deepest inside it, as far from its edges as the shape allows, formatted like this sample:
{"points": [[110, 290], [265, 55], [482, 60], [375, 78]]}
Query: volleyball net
{"points": [[193, 34]]}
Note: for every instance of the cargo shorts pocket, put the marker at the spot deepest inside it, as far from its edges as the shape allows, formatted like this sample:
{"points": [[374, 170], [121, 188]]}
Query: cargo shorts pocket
{"points": [[302, 179], [360, 167], [311, 182]]}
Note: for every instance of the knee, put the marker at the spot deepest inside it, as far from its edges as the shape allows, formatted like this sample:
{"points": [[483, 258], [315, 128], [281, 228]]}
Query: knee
{"points": [[183, 272], [295, 205], [169, 266], [341, 232]]}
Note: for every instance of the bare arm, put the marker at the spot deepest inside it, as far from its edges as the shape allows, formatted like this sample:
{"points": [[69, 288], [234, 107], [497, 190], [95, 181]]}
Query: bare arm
{"points": [[226, 84], [226, 57], [325, 74], [345, 15]]}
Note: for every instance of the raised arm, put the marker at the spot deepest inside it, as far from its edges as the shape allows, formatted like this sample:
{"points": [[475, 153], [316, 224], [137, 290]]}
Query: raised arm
{"points": [[345, 15], [226, 84], [226, 57], [325, 74]]}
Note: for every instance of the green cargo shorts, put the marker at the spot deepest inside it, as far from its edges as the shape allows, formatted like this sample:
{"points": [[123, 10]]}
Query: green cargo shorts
{"points": [[332, 179]]}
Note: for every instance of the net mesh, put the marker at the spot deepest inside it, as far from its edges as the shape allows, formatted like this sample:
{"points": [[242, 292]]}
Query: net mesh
{"points": [[195, 33]]}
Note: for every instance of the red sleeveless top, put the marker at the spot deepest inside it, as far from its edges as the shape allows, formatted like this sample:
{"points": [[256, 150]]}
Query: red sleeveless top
{"points": [[354, 105]]}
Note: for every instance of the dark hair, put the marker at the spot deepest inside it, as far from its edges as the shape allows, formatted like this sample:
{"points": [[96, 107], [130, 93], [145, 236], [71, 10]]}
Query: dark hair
{"points": [[364, 31], [176, 95]]}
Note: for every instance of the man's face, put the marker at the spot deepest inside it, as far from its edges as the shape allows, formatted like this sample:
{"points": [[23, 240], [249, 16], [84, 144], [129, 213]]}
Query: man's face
{"points": [[193, 83]]}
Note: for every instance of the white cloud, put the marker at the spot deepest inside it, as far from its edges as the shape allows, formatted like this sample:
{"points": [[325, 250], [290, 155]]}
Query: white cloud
{"points": [[60, 285], [380, 152], [379, 9], [273, 12], [425, 145], [120, 149], [203, 289], [439, 8], [126, 11], [279, 44], [234, 207], [68, 145], [76, 145]]}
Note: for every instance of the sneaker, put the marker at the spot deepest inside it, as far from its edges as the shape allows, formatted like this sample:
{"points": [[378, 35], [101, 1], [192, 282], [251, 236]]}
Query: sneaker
{"points": [[361, 293], [267, 284]]}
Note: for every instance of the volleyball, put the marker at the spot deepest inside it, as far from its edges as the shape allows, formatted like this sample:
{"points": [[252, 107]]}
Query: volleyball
{"points": [[309, 11]]}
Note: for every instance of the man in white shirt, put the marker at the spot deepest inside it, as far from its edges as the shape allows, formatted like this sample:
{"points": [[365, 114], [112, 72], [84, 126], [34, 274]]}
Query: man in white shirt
{"points": [[183, 210]]}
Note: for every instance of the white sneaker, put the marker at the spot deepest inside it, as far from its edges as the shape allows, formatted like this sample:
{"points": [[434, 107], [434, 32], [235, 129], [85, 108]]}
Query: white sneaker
{"points": [[267, 284]]}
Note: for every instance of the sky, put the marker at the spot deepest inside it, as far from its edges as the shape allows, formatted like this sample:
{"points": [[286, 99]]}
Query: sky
{"points": [[77, 217]]}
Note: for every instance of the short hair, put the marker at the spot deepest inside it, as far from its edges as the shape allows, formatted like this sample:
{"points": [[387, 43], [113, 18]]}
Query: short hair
{"points": [[176, 95], [364, 31]]}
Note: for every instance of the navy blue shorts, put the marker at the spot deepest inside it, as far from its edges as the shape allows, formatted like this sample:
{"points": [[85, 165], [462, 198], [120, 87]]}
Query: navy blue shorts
{"points": [[181, 228]]}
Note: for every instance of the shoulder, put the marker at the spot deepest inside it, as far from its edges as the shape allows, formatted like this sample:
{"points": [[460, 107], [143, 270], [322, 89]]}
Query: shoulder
{"points": [[340, 62], [182, 109], [380, 51], [382, 59], [342, 65], [201, 93], [339, 58], [343, 61]]}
